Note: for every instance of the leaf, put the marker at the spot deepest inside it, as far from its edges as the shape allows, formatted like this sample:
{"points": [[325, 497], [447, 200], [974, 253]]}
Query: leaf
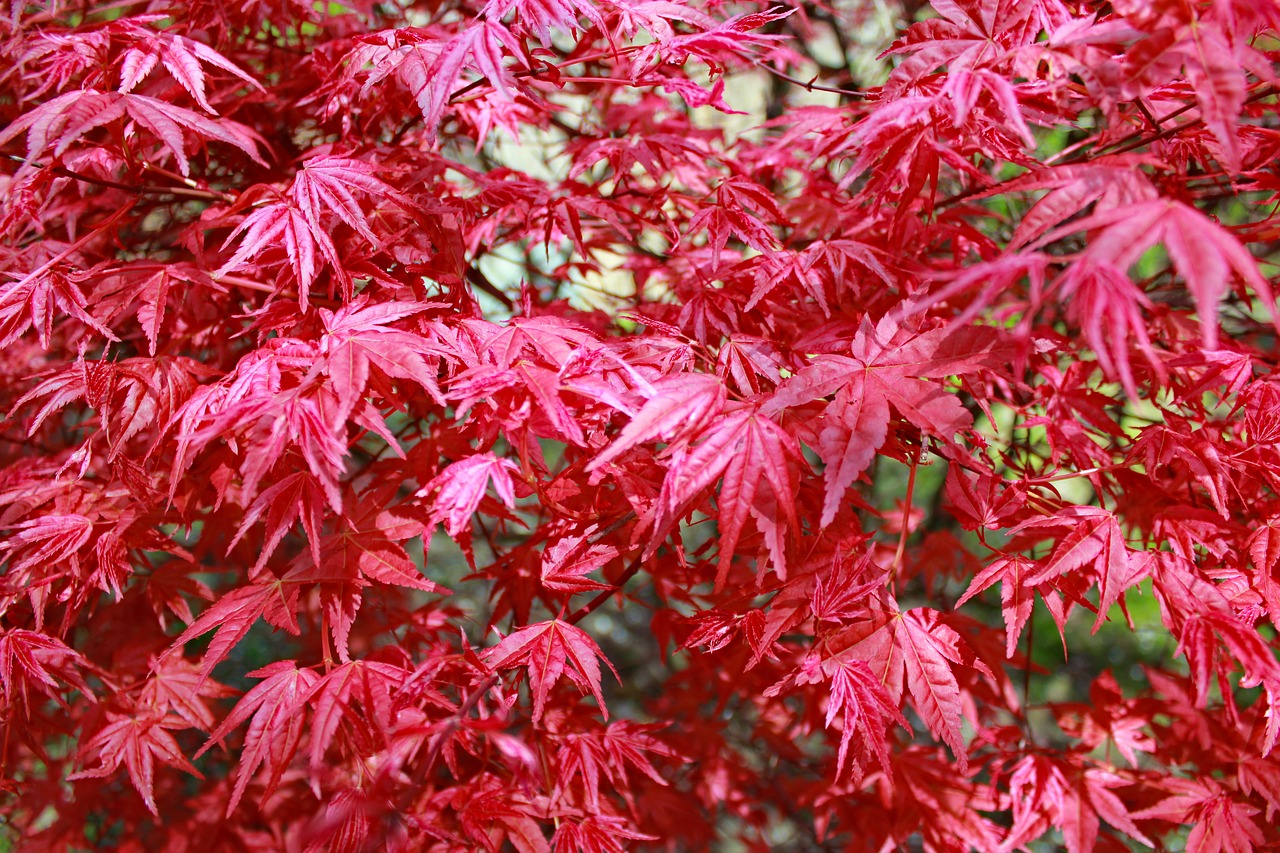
{"points": [[539, 17], [544, 649], [359, 551], [30, 660], [875, 376], [33, 302], [1108, 308], [175, 685], [1016, 598], [59, 123], [181, 56], [565, 563], [596, 834], [359, 693], [431, 67], [1221, 824], [1094, 539], [282, 225], [929, 649], [607, 755], [1202, 251], [47, 539], [234, 614], [137, 743], [358, 338], [855, 426], [1051, 792], [677, 408], [762, 458], [297, 496], [461, 486], [859, 701], [327, 185], [751, 452], [276, 706]]}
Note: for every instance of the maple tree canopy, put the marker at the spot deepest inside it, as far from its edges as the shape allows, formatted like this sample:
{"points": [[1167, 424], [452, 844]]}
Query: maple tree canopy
{"points": [[672, 425]]}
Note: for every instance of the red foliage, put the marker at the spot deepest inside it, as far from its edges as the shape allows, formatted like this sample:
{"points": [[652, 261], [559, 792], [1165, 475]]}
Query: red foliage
{"points": [[735, 432]]}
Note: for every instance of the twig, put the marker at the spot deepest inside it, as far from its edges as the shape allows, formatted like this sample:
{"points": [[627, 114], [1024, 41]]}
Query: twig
{"points": [[137, 189], [1124, 144], [815, 87]]}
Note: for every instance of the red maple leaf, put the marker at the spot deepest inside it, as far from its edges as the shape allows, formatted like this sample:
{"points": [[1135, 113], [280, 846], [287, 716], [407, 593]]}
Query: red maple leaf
{"points": [[549, 650]]}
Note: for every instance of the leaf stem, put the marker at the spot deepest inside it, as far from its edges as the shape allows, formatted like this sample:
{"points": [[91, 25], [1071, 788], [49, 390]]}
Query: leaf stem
{"points": [[906, 524]]}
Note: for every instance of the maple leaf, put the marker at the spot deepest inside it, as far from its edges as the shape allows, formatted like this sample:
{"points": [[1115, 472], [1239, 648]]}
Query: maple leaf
{"points": [[928, 648], [915, 652], [606, 755], [59, 123], [234, 614], [30, 660], [858, 700], [327, 184], [963, 36], [47, 539], [731, 38], [166, 587], [489, 815], [1086, 537], [677, 408], [362, 549], [565, 563], [1261, 777], [874, 377], [368, 685], [982, 501], [33, 301], [178, 687], [1116, 180], [1201, 250], [298, 223], [1215, 66], [596, 834], [297, 496], [182, 57], [260, 398], [136, 742], [1047, 792], [1016, 598], [1221, 823], [1264, 545], [1108, 717], [357, 338], [1179, 448], [151, 291], [545, 649], [276, 706], [283, 225], [461, 486], [745, 361], [1108, 307], [430, 67], [750, 452]]}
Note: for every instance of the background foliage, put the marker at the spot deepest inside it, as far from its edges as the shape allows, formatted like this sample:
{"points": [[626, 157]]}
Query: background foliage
{"points": [[558, 425]]}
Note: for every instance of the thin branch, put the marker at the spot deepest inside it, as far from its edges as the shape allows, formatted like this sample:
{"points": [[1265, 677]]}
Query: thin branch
{"points": [[811, 86], [1130, 142], [137, 189]]}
